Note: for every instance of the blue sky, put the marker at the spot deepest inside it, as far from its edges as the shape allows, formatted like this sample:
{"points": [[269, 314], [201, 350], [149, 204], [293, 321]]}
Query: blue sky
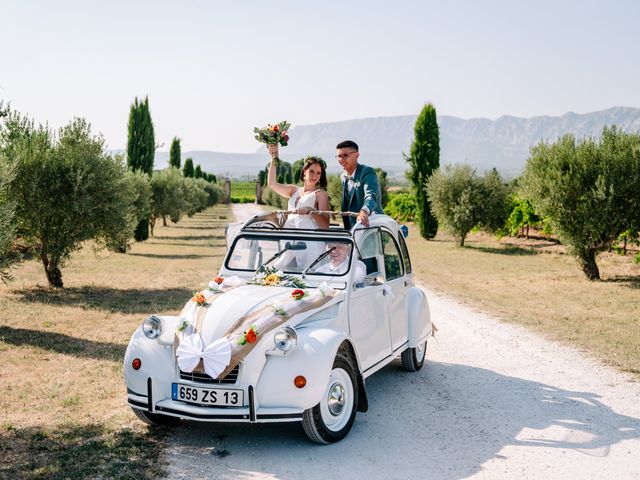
{"points": [[213, 70]]}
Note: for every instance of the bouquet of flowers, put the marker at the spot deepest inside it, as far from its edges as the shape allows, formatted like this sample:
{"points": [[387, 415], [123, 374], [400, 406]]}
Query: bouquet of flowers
{"points": [[273, 134], [270, 276]]}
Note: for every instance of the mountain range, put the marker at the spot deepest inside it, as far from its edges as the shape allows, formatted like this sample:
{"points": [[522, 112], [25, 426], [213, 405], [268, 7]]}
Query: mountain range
{"points": [[503, 143]]}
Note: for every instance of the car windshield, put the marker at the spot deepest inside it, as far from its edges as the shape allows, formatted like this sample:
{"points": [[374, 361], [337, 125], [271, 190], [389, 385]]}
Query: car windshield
{"points": [[291, 255]]}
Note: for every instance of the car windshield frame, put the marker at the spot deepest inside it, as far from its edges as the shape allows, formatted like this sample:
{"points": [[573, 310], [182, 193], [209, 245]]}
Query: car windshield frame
{"points": [[279, 241]]}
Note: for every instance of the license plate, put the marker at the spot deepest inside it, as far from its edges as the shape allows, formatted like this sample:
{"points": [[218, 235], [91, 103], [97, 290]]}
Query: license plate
{"points": [[207, 396]]}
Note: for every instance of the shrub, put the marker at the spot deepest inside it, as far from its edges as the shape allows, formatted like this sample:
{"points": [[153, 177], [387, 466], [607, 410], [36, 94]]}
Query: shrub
{"points": [[402, 207]]}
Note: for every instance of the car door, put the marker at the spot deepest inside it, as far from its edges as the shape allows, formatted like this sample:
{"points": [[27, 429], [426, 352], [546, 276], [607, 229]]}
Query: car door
{"points": [[368, 312], [396, 289]]}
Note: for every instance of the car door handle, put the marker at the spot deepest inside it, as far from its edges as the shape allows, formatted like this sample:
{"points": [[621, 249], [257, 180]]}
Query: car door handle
{"points": [[384, 292]]}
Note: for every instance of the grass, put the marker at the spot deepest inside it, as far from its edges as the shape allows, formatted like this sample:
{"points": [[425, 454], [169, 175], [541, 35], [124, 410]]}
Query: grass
{"points": [[242, 192], [63, 398], [536, 284]]}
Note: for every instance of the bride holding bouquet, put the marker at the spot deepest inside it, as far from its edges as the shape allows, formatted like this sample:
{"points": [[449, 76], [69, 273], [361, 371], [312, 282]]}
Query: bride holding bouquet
{"points": [[304, 200]]}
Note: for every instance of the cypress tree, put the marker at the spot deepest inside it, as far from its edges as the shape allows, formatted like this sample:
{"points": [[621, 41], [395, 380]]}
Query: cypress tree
{"points": [[141, 147], [174, 153], [424, 159], [188, 170], [198, 172]]}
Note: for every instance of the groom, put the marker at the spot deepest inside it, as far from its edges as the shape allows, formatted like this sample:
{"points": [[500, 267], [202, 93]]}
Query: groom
{"points": [[360, 187]]}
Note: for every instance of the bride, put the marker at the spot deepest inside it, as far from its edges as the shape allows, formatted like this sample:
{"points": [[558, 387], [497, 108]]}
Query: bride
{"points": [[303, 200]]}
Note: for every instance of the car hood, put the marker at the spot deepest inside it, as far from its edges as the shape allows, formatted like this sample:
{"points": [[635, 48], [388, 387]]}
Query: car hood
{"points": [[226, 308]]}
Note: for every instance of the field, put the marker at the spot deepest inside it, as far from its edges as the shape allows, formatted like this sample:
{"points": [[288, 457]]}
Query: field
{"points": [[243, 192], [536, 284], [63, 397]]}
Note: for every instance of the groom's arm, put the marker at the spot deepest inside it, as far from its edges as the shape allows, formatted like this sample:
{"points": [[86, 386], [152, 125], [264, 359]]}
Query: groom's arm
{"points": [[371, 190]]}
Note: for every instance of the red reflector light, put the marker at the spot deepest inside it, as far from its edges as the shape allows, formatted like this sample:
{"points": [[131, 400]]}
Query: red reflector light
{"points": [[136, 363], [299, 381]]}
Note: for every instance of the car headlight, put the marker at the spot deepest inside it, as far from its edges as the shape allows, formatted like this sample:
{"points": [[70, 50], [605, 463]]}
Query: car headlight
{"points": [[152, 327], [286, 339]]}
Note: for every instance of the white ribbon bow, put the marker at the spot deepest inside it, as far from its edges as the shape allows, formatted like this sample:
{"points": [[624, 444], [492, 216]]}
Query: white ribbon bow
{"points": [[215, 357]]}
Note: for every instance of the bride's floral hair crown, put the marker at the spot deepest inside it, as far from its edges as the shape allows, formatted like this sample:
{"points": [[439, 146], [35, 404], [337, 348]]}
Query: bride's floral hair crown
{"points": [[310, 160]]}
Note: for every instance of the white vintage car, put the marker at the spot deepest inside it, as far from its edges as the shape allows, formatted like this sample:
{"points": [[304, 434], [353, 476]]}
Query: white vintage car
{"points": [[288, 331]]}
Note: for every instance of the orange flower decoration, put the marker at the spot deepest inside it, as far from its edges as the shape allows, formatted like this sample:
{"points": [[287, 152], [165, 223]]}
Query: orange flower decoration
{"points": [[218, 280], [251, 336], [200, 299]]}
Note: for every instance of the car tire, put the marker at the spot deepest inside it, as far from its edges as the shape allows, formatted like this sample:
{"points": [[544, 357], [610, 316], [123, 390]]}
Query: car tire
{"points": [[413, 358], [153, 418], [331, 419]]}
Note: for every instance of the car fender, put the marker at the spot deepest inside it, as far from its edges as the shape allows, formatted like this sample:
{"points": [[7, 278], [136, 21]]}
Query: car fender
{"points": [[312, 358], [418, 317], [151, 352]]}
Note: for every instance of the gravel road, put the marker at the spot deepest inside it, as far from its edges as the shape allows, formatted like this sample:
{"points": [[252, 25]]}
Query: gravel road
{"points": [[493, 401]]}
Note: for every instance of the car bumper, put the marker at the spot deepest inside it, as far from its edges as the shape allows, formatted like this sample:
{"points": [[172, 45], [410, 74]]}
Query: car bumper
{"points": [[251, 413]]}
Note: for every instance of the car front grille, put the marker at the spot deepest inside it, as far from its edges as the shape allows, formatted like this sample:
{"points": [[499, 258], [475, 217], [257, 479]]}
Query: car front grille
{"points": [[229, 379]]}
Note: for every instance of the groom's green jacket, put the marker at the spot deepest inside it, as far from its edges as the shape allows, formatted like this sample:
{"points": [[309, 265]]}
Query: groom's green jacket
{"points": [[364, 194]]}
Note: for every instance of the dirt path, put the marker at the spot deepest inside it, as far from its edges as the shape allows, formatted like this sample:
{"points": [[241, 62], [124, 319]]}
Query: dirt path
{"points": [[495, 401]]}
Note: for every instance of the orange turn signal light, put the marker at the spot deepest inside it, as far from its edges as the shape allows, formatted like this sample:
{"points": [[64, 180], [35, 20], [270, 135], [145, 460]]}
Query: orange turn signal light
{"points": [[300, 381], [136, 363]]}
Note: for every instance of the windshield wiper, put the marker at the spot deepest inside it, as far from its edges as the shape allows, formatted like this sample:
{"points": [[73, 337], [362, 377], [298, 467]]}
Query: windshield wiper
{"points": [[317, 260], [287, 246]]}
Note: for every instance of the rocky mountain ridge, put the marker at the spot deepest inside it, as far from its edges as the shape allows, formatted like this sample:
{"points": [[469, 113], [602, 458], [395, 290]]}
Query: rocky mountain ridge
{"points": [[503, 143]]}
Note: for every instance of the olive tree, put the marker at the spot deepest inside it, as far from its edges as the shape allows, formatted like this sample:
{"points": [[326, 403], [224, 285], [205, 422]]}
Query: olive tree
{"points": [[7, 223], [462, 200], [168, 201], [66, 189], [589, 190]]}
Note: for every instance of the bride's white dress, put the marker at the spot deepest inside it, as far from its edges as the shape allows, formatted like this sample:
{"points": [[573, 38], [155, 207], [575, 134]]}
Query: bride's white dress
{"points": [[299, 259], [296, 201]]}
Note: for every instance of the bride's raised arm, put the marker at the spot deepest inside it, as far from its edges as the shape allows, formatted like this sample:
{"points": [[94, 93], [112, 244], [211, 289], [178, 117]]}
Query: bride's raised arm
{"points": [[280, 188]]}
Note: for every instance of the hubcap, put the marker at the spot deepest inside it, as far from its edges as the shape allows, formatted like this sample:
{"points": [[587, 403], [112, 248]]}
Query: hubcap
{"points": [[335, 400], [420, 351], [339, 397]]}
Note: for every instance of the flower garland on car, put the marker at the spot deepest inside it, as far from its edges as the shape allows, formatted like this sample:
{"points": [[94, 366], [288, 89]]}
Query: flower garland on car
{"points": [[272, 277], [273, 134]]}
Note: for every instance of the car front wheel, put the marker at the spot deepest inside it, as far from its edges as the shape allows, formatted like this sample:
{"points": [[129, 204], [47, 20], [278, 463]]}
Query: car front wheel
{"points": [[331, 419], [154, 419], [413, 358]]}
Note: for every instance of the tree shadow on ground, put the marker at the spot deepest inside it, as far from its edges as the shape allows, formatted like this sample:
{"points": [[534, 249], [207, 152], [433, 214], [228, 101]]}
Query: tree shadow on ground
{"points": [[188, 237], [509, 250], [197, 227], [132, 300], [194, 245], [81, 451], [61, 343], [186, 256], [629, 281], [453, 418]]}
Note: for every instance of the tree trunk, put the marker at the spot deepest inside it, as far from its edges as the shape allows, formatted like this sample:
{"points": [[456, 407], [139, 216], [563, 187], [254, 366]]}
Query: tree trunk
{"points": [[54, 275], [164, 220], [152, 224], [587, 263], [462, 237]]}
